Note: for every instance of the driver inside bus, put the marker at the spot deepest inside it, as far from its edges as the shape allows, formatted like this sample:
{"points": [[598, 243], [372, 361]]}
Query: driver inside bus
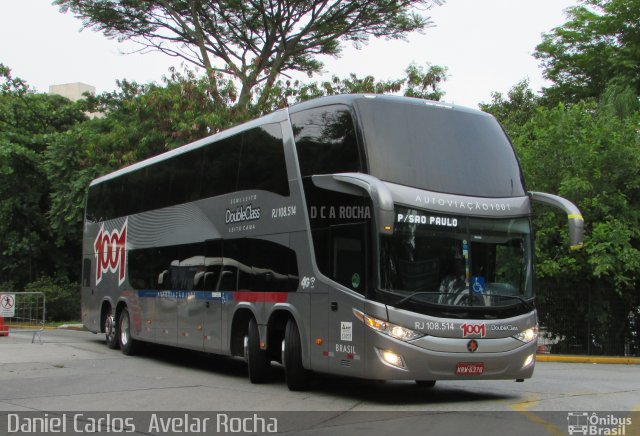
{"points": [[455, 282]]}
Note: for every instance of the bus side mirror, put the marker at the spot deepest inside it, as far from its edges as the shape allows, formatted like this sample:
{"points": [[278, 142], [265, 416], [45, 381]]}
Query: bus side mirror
{"points": [[576, 221]]}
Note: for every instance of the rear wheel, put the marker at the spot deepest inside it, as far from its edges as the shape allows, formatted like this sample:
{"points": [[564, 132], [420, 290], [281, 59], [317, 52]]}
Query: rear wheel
{"points": [[257, 359], [128, 345], [111, 331], [297, 377]]}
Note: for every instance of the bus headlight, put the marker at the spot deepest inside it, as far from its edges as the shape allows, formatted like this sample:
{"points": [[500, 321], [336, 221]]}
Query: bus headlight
{"points": [[527, 335], [387, 328]]}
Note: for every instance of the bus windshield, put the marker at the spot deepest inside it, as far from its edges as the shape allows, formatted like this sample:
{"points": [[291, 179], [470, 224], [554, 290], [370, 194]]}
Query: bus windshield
{"points": [[435, 259]]}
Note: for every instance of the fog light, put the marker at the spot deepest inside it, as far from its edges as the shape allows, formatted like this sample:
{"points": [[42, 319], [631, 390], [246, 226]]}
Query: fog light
{"points": [[529, 360], [390, 358]]}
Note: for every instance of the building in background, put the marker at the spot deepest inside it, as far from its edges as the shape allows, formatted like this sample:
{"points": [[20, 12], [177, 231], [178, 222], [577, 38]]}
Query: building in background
{"points": [[72, 91]]}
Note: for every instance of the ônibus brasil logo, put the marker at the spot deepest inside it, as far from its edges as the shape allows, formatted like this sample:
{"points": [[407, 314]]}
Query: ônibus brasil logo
{"points": [[111, 252]]}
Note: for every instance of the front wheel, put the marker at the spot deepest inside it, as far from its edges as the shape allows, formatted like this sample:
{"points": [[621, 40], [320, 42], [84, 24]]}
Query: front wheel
{"points": [[128, 345], [296, 375], [257, 359]]}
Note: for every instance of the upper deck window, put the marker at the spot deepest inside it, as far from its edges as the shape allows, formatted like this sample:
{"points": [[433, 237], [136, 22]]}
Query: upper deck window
{"points": [[326, 140], [253, 159]]}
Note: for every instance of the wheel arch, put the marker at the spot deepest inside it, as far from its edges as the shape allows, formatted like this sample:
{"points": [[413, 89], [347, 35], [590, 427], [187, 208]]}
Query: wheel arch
{"points": [[276, 325], [239, 329]]}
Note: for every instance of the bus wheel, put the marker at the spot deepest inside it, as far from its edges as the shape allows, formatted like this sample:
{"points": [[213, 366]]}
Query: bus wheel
{"points": [[297, 377], [128, 345], [257, 359], [111, 331], [425, 383]]}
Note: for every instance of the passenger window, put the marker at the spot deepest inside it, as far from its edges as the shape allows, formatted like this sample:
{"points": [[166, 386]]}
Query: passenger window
{"points": [[262, 265], [262, 163], [326, 141], [220, 167], [341, 229]]}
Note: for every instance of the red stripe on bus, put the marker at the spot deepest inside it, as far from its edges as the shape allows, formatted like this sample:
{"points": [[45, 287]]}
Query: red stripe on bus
{"points": [[261, 297]]}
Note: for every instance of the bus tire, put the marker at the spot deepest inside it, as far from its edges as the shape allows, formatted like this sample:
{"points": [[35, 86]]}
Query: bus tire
{"points": [[128, 345], [257, 360], [425, 383], [111, 330], [296, 375]]}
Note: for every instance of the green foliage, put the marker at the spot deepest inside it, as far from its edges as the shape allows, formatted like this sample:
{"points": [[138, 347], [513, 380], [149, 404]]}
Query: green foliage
{"points": [[419, 82], [590, 154], [516, 109], [251, 43], [140, 121], [29, 123], [62, 297], [134, 123], [600, 42]]}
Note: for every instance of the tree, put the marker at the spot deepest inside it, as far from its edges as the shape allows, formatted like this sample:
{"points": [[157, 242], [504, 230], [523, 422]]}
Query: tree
{"points": [[600, 42], [589, 153], [141, 121], [252, 42], [514, 111], [419, 82], [29, 122]]}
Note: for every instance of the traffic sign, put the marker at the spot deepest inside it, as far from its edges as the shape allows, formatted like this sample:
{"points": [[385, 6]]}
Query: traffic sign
{"points": [[7, 305]]}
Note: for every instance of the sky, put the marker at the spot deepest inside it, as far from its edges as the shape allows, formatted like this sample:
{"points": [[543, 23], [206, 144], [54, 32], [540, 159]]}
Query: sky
{"points": [[486, 45]]}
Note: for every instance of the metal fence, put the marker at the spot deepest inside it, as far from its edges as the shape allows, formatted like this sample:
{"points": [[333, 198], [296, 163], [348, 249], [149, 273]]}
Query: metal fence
{"points": [[590, 322], [24, 311]]}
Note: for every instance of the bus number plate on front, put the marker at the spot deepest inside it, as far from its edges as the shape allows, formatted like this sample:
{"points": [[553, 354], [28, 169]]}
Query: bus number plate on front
{"points": [[466, 368]]}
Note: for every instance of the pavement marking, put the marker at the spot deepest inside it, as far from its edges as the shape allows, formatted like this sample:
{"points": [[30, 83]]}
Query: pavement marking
{"points": [[523, 406]]}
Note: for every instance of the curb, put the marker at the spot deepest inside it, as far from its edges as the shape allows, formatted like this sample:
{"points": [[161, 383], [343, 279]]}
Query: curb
{"points": [[588, 359], [71, 327]]}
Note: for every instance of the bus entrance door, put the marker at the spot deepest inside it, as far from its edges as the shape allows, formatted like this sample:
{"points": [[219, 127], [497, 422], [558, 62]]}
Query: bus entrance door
{"points": [[345, 331]]}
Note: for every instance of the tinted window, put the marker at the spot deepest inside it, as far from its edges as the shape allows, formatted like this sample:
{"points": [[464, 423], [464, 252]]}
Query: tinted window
{"points": [[134, 195], [158, 185], [263, 266], [206, 172], [262, 163], [439, 149], [326, 141], [93, 212], [86, 272], [178, 267], [186, 176], [340, 227], [220, 166]]}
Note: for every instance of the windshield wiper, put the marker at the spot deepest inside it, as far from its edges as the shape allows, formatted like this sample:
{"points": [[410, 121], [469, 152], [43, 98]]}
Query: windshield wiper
{"points": [[522, 300], [527, 304], [414, 294]]}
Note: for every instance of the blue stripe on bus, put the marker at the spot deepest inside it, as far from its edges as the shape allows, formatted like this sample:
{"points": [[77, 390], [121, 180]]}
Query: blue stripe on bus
{"points": [[198, 295]]}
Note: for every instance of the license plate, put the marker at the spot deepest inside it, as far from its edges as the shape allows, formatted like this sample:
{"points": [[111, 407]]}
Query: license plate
{"points": [[467, 368]]}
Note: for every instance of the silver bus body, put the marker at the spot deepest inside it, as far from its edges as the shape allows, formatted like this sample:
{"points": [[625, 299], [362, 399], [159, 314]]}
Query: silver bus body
{"points": [[344, 268]]}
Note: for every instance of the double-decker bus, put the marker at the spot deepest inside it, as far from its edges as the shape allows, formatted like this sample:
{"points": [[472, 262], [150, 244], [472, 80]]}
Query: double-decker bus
{"points": [[370, 236]]}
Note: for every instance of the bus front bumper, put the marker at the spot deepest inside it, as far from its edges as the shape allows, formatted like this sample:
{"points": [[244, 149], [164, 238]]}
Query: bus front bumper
{"points": [[461, 359]]}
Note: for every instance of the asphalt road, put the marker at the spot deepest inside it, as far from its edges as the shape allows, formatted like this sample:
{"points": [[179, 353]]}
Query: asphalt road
{"points": [[75, 371]]}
